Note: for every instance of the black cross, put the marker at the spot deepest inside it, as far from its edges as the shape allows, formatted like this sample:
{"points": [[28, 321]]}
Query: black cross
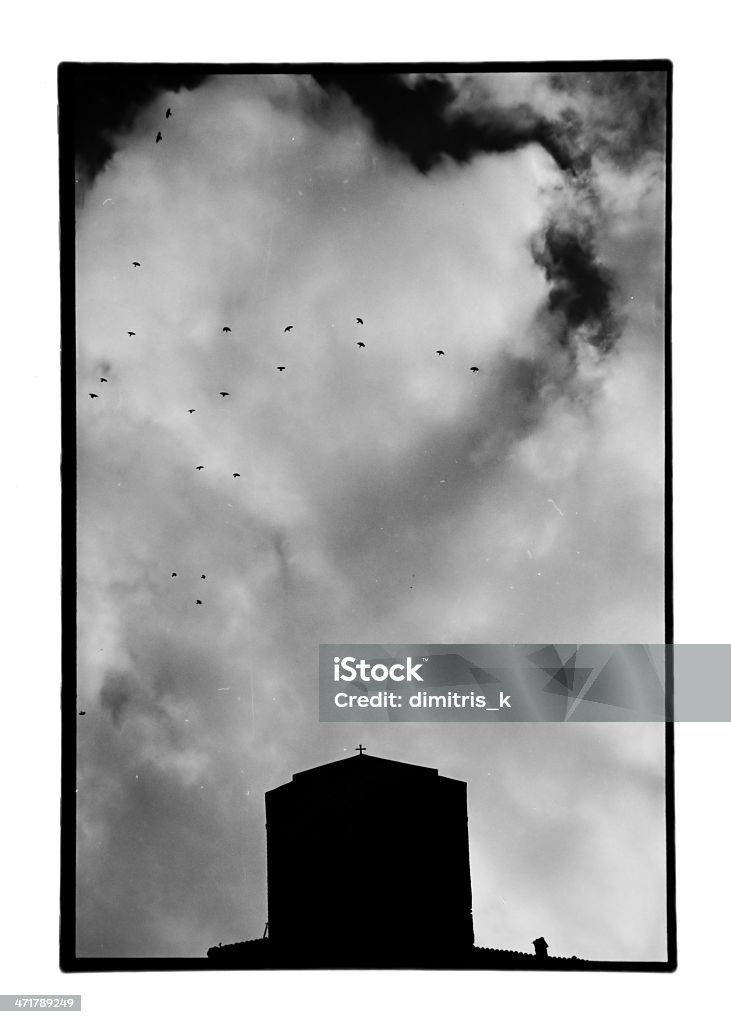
{"points": [[360, 748]]}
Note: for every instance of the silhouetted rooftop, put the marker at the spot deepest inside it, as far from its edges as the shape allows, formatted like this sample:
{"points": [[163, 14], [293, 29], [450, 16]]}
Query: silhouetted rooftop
{"points": [[390, 811], [261, 953], [360, 763]]}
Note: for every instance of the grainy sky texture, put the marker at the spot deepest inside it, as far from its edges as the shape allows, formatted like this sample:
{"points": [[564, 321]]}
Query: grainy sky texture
{"points": [[385, 494]]}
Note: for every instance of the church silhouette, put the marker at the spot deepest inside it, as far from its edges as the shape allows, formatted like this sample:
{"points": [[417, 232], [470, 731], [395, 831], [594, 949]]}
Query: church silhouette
{"points": [[368, 867]]}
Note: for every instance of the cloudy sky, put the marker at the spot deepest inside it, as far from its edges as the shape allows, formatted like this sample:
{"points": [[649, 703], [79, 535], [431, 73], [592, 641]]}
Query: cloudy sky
{"points": [[386, 494]]}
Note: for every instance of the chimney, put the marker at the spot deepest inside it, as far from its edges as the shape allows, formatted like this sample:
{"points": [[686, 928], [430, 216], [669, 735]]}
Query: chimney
{"points": [[541, 947]]}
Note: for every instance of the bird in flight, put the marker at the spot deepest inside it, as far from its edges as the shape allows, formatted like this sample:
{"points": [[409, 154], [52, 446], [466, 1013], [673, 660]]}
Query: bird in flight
{"points": [[92, 395], [280, 368], [237, 474], [474, 368], [203, 575], [103, 380], [224, 394], [191, 410], [361, 344], [173, 574], [168, 112], [358, 320], [227, 330], [82, 712], [200, 467], [131, 334], [159, 137], [288, 328], [199, 602], [440, 351]]}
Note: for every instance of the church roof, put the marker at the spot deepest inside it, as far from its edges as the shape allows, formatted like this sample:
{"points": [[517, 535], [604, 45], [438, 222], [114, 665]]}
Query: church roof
{"points": [[366, 763], [367, 767]]}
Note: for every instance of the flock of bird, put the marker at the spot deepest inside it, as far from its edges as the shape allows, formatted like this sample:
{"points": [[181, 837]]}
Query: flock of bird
{"points": [[227, 330], [158, 137], [289, 327], [174, 575]]}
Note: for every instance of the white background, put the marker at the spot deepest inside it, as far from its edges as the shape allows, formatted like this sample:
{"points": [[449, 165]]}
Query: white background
{"points": [[30, 711]]}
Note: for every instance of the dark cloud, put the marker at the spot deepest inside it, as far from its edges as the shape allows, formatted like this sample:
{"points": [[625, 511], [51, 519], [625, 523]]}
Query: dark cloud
{"points": [[629, 112], [428, 118], [581, 288], [106, 100], [116, 694], [419, 118], [614, 117]]}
